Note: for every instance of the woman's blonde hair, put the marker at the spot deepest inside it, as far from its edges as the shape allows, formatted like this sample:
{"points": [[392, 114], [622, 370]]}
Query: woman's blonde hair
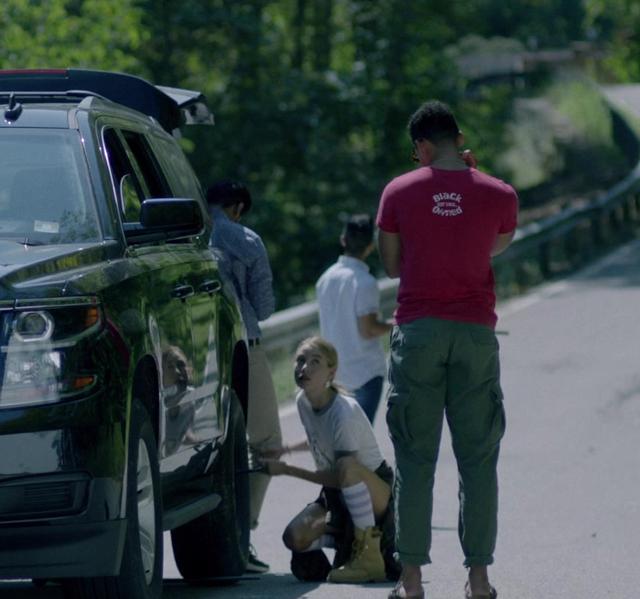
{"points": [[327, 350]]}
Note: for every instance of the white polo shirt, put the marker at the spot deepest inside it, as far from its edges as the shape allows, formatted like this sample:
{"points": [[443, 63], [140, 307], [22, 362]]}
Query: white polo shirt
{"points": [[346, 291]]}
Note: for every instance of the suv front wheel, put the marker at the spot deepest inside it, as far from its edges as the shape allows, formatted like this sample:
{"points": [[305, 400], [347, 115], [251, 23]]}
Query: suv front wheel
{"points": [[216, 545], [141, 570]]}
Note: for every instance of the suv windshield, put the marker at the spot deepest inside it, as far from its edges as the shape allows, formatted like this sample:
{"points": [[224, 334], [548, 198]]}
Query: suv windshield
{"points": [[45, 195]]}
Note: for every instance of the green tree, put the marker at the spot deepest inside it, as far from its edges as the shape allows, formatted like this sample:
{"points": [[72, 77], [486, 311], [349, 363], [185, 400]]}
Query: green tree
{"points": [[102, 34], [311, 97], [540, 23], [616, 23]]}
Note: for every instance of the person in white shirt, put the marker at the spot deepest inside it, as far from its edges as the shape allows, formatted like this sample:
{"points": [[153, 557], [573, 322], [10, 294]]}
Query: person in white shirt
{"points": [[348, 460], [348, 306]]}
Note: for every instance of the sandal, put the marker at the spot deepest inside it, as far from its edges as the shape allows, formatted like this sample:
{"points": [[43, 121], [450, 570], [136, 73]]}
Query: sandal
{"points": [[398, 592], [493, 594]]}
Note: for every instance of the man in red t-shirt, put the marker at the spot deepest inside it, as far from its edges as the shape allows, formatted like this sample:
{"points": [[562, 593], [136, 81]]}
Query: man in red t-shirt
{"points": [[439, 227]]}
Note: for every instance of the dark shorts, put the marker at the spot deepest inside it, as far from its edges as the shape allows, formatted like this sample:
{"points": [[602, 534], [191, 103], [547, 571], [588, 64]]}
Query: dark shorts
{"points": [[331, 499]]}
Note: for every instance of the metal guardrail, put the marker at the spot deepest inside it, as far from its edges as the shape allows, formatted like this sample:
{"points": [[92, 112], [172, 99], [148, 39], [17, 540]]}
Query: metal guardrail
{"points": [[286, 328], [582, 229], [539, 233]]}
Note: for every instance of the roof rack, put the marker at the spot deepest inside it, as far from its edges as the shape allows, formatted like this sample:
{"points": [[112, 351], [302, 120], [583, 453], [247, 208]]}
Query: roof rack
{"points": [[70, 95], [171, 107]]}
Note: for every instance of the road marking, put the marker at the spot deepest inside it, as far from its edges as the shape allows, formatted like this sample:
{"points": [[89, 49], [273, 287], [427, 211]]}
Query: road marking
{"points": [[519, 304]]}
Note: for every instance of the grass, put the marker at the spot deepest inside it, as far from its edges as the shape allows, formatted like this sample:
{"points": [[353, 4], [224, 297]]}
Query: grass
{"points": [[281, 362]]}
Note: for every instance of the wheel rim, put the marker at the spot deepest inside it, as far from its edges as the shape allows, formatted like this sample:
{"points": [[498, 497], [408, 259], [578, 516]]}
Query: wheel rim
{"points": [[146, 512]]}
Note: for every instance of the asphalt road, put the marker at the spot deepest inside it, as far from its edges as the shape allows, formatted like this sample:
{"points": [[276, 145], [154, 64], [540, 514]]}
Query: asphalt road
{"points": [[626, 97], [570, 501]]}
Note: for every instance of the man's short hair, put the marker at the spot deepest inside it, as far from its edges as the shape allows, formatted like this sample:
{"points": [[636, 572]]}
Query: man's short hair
{"points": [[434, 122], [358, 233], [228, 193]]}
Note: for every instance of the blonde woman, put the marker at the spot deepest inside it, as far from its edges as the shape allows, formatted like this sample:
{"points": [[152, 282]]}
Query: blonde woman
{"points": [[349, 467]]}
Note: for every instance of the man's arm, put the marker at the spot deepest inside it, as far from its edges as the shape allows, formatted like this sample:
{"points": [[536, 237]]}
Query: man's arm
{"points": [[390, 250], [260, 285], [502, 242], [370, 327]]}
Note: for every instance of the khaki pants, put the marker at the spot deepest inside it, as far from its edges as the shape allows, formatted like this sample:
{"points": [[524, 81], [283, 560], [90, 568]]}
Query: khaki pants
{"points": [[263, 424], [439, 368]]}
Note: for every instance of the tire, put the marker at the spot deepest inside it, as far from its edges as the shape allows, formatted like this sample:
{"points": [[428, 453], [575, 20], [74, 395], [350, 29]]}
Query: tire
{"points": [[217, 544], [141, 569]]}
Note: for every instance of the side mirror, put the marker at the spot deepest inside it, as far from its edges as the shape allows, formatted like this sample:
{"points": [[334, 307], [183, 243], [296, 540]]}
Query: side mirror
{"points": [[172, 214], [165, 219]]}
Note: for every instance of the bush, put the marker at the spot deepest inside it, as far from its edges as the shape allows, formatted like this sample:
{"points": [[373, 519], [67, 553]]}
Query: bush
{"points": [[562, 143]]}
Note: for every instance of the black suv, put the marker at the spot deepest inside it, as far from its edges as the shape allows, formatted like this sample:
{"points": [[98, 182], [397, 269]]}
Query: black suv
{"points": [[123, 362]]}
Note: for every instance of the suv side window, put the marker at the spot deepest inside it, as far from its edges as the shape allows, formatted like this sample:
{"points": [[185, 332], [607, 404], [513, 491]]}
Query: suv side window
{"points": [[183, 178], [135, 170], [148, 165], [125, 178]]}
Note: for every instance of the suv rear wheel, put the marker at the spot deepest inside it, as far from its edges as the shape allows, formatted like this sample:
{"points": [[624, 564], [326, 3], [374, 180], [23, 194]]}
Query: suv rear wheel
{"points": [[141, 570], [217, 544]]}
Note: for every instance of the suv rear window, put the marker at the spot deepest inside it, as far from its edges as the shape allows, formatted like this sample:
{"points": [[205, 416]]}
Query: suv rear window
{"points": [[45, 195]]}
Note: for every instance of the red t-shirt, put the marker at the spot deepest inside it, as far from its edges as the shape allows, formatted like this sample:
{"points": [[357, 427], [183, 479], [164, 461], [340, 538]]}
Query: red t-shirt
{"points": [[447, 222]]}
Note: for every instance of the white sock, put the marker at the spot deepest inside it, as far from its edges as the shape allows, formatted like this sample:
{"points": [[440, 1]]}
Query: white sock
{"points": [[320, 542], [359, 504]]}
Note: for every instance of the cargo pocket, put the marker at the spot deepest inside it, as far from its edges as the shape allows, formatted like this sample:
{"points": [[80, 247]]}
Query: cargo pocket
{"points": [[398, 393], [397, 421], [499, 421]]}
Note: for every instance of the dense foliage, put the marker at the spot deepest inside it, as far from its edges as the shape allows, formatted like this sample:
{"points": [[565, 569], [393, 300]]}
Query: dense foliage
{"points": [[311, 96]]}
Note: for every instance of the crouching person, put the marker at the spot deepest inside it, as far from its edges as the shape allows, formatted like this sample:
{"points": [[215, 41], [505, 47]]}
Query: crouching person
{"points": [[356, 481]]}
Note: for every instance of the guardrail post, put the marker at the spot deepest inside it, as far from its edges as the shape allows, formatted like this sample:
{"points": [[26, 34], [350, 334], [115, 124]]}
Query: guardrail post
{"points": [[618, 218], [602, 229], [573, 246], [632, 210]]}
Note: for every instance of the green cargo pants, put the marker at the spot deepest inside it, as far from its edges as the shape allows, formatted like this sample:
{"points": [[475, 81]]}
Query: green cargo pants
{"points": [[447, 367]]}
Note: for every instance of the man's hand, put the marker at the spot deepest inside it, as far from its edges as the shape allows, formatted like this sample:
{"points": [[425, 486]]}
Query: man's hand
{"points": [[276, 467], [469, 159], [371, 327]]}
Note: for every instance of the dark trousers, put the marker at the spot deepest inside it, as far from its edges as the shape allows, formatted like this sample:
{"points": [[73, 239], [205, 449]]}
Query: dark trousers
{"points": [[438, 368]]}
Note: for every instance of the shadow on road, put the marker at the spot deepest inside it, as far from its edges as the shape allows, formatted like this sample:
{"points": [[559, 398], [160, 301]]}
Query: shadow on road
{"points": [[25, 589], [283, 586]]}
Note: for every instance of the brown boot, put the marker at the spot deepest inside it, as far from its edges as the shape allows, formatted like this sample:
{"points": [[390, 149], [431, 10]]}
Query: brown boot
{"points": [[366, 563]]}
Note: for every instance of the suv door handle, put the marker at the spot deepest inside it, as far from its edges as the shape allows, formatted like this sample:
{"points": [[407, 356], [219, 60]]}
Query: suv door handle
{"points": [[182, 292], [210, 287]]}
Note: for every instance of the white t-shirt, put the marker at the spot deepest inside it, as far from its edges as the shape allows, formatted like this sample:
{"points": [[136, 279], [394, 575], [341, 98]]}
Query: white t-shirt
{"points": [[347, 291], [338, 429]]}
